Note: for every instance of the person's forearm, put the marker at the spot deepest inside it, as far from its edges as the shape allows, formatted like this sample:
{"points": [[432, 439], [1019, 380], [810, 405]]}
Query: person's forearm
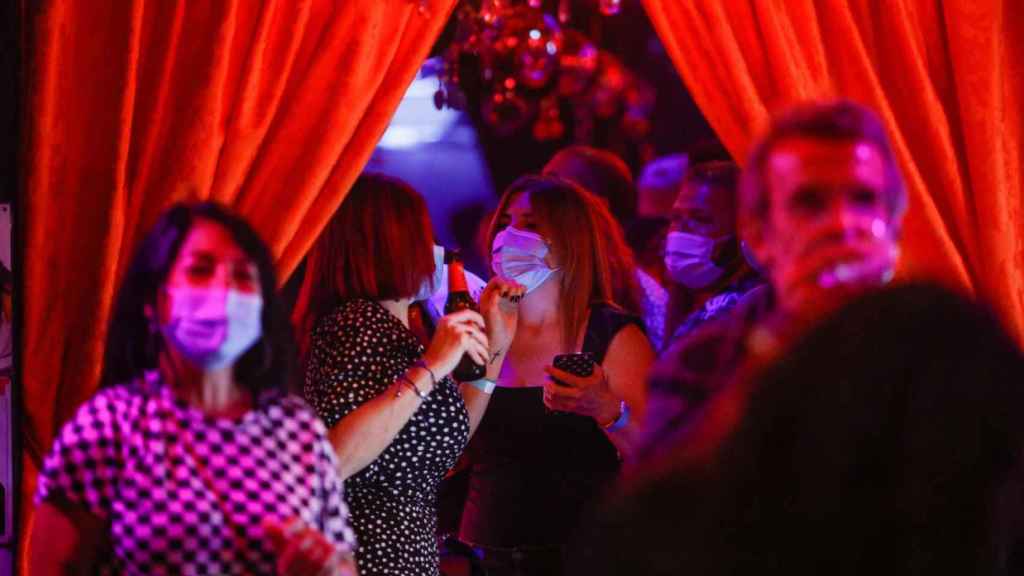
{"points": [[625, 431], [476, 399], [66, 540], [363, 434]]}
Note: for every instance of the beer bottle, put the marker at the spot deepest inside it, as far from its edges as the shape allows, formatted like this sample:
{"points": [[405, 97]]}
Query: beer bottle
{"points": [[459, 299]]}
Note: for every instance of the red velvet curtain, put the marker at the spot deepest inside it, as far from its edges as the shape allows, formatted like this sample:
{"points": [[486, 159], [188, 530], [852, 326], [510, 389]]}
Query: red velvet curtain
{"points": [[270, 107], [946, 76]]}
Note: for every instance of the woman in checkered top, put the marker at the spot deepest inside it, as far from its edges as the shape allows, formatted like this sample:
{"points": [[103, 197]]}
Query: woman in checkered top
{"points": [[192, 459]]}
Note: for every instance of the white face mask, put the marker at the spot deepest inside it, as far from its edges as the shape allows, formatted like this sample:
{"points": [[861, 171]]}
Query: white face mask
{"points": [[436, 281], [212, 327], [688, 259], [519, 255]]}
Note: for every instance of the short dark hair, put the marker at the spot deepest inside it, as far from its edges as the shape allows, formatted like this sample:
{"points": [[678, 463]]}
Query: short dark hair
{"points": [[379, 245], [133, 345], [836, 121], [601, 173], [717, 174]]}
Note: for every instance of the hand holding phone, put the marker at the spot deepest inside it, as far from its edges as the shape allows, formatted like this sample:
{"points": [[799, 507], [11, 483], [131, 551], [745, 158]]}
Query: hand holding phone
{"points": [[578, 363]]}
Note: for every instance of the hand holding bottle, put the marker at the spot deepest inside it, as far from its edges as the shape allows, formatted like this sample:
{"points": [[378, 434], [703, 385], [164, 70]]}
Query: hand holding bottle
{"points": [[456, 334], [470, 367]]}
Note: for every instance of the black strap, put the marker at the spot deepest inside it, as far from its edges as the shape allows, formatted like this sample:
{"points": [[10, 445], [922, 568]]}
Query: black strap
{"points": [[605, 322]]}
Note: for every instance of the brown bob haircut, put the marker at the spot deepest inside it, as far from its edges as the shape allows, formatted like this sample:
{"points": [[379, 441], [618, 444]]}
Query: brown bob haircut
{"points": [[833, 121], [377, 246], [596, 264]]}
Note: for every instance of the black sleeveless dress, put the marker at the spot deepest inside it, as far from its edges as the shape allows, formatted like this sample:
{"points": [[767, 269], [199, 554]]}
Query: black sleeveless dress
{"points": [[533, 471]]}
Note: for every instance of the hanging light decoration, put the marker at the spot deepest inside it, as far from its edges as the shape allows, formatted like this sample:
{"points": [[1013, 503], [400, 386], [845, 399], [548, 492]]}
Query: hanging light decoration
{"points": [[610, 7], [530, 61]]}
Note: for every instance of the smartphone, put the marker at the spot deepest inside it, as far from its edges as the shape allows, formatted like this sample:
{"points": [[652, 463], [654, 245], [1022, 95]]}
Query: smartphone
{"points": [[578, 363]]}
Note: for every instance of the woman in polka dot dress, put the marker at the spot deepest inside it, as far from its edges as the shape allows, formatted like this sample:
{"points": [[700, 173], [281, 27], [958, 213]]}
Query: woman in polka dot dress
{"points": [[397, 420], [192, 459]]}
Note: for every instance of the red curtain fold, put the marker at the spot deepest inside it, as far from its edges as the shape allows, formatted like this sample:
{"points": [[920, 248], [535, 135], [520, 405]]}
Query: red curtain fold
{"points": [[270, 107], [946, 77]]}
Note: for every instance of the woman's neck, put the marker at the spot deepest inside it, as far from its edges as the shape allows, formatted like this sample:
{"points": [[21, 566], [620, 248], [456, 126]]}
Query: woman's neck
{"points": [[399, 308], [213, 392], [542, 305]]}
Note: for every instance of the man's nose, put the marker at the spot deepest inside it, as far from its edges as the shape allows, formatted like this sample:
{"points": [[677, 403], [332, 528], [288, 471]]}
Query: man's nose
{"points": [[851, 222]]}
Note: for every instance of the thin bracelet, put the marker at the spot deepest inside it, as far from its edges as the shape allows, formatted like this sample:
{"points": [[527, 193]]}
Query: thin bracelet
{"points": [[421, 363], [404, 380], [620, 421]]}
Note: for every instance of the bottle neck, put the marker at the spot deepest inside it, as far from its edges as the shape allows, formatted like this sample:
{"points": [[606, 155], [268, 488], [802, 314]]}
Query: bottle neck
{"points": [[456, 277]]}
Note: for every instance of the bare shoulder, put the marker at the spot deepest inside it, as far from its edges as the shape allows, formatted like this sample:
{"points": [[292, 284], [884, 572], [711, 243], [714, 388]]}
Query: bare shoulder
{"points": [[630, 342]]}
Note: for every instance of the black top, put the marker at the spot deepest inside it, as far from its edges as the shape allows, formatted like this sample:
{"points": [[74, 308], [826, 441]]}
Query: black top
{"points": [[357, 352], [532, 471]]}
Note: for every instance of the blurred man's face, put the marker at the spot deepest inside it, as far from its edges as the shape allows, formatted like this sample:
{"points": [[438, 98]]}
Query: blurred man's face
{"points": [[828, 230], [704, 210]]}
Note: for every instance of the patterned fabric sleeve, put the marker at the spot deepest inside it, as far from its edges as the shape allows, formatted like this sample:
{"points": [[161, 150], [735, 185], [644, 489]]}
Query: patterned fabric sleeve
{"points": [[86, 461], [340, 375]]}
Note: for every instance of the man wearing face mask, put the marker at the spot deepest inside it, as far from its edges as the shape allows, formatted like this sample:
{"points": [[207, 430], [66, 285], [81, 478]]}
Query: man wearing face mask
{"points": [[656, 190], [707, 271], [820, 206]]}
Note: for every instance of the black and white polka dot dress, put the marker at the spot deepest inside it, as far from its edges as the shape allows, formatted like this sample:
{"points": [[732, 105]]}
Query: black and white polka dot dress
{"points": [[184, 493], [356, 353]]}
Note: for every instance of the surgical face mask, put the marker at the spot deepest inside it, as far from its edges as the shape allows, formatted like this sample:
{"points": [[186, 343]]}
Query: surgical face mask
{"points": [[436, 281], [212, 327], [519, 255], [688, 259]]}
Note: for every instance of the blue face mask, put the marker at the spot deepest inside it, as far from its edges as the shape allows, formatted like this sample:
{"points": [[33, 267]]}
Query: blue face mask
{"points": [[519, 255], [212, 327], [688, 259]]}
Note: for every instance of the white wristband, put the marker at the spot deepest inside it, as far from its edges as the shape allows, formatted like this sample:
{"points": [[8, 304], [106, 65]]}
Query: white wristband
{"points": [[485, 385]]}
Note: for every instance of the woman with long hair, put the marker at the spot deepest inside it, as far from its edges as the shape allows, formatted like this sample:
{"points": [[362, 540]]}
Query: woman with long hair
{"points": [[397, 420], [553, 437], [192, 458]]}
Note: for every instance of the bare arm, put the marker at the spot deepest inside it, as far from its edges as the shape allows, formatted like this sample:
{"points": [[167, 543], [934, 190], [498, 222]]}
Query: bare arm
{"points": [[66, 539], [477, 400], [626, 364], [363, 434], [499, 305]]}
